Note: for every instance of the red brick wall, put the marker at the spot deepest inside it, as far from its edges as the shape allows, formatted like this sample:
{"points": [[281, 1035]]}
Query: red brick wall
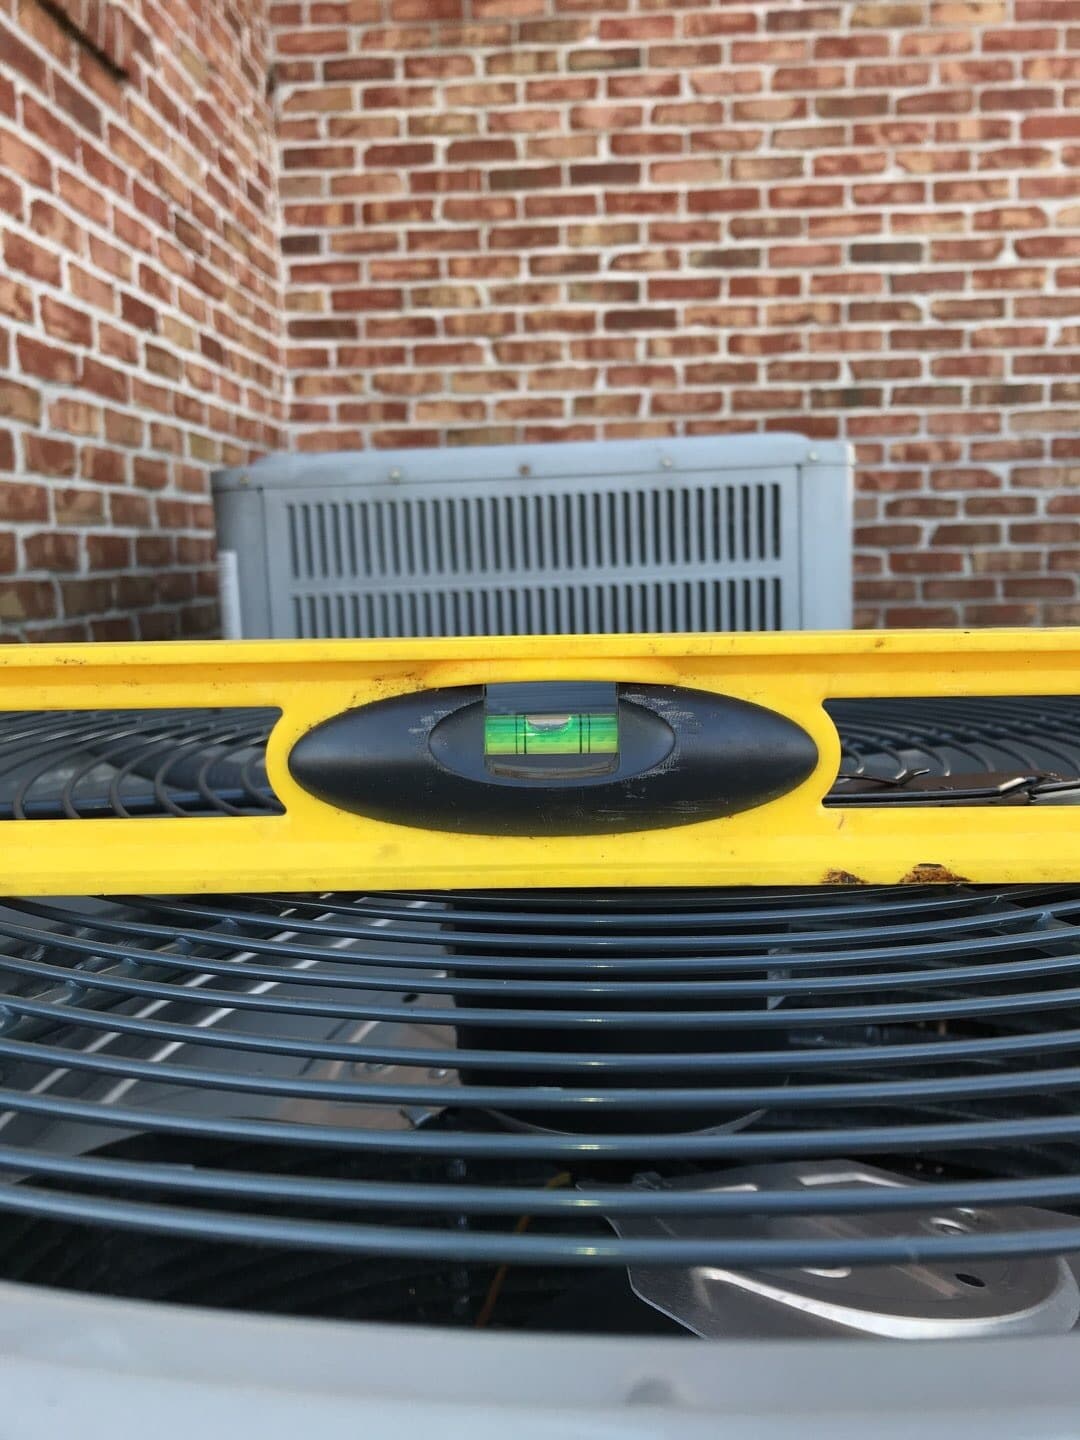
{"points": [[551, 219], [140, 305], [537, 219]]}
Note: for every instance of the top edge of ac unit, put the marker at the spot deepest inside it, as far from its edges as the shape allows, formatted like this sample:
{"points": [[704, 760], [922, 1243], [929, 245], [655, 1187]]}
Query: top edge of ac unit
{"points": [[534, 462]]}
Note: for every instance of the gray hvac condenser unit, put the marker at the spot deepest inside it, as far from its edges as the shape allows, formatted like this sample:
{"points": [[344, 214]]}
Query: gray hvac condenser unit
{"points": [[749, 532]]}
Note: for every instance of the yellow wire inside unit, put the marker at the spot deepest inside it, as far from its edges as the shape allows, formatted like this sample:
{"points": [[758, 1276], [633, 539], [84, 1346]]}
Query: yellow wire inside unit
{"points": [[499, 1280]]}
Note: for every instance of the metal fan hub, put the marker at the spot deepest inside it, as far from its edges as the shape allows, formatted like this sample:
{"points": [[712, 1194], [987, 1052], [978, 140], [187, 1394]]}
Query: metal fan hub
{"points": [[916, 1300]]}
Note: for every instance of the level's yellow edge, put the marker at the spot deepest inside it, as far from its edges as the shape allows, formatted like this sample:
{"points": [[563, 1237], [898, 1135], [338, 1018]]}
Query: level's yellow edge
{"points": [[793, 840], [1062, 639]]}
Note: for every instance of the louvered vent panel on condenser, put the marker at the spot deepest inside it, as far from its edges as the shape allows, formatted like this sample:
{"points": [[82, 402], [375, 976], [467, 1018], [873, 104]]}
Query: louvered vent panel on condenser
{"points": [[701, 535]]}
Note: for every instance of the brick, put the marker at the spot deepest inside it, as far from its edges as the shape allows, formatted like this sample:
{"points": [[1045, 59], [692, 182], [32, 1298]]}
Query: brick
{"points": [[711, 201], [546, 93], [103, 465], [809, 77], [1050, 127], [64, 323], [1043, 587], [44, 455], [640, 319], [85, 597], [53, 224], [369, 298], [1020, 39], [51, 550], [22, 502], [75, 417], [16, 300], [31, 259], [85, 113], [27, 600], [885, 537], [53, 363], [11, 197], [21, 58], [605, 117], [19, 402], [531, 178], [41, 122], [313, 42], [21, 158], [135, 311], [78, 507], [111, 552], [925, 562], [605, 59], [318, 157]]}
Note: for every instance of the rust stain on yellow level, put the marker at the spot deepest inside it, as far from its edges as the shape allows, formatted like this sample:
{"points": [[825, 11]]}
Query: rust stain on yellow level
{"points": [[927, 873]]}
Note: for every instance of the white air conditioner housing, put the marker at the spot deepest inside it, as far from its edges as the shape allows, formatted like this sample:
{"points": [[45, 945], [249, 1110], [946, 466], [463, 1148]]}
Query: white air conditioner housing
{"points": [[747, 532]]}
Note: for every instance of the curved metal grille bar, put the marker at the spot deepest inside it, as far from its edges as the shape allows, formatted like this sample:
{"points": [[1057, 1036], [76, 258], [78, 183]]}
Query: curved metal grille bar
{"points": [[232, 1027], [528, 1249]]}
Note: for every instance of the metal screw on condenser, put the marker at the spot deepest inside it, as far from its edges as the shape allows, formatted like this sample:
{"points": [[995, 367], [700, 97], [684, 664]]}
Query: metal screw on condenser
{"points": [[812, 455], [395, 474], [666, 463]]}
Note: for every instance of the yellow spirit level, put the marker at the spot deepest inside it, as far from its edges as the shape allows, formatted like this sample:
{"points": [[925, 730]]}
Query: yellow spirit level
{"points": [[545, 761]]}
